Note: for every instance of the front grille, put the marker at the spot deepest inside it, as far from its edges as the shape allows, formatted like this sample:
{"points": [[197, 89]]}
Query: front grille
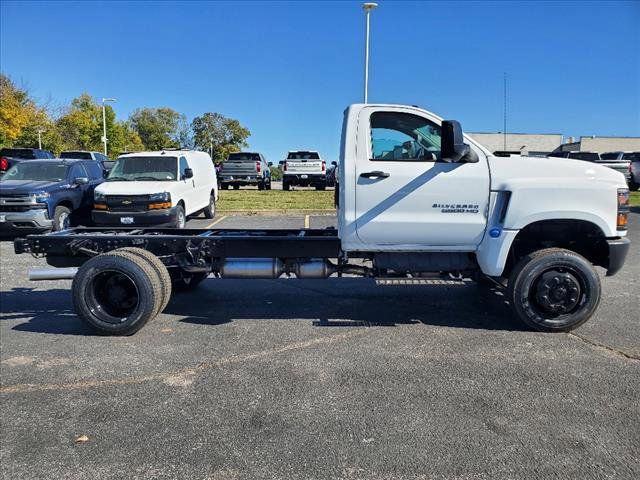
{"points": [[127, 203]]}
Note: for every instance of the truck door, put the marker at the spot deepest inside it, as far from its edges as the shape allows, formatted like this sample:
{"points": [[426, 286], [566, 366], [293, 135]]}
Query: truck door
{"points": [[405, 194]]}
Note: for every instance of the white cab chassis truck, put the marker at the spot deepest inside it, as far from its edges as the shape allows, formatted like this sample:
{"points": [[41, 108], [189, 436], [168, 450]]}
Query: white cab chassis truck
{"points": [[418, 202]]}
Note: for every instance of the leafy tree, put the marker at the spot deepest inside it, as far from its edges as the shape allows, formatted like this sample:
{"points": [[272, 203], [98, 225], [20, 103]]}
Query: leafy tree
{"points": [[226, 135], [159, 127], [124, 139], [81, 124], [18, 111]]}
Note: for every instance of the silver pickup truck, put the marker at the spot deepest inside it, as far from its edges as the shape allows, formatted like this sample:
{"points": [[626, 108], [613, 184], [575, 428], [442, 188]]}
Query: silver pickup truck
{"points": [[305, 169], [627, 163], [245, 168]]}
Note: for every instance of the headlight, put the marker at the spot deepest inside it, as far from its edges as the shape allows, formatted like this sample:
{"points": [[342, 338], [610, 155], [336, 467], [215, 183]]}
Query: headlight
{"points": [[40, 197], [160, 197], [99, 197]]}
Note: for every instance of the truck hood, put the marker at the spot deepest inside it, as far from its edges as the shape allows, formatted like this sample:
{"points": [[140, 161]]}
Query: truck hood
{"points": [[560, 171], [137, 187], [26, 187]]}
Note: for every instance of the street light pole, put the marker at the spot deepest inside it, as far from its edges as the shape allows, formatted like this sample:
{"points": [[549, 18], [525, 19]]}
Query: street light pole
{"points": [[367, 7], [104, 122], [40, 130]]}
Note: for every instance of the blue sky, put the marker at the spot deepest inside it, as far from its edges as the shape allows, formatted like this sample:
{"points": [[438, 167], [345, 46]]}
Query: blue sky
{"points": [[287, 70]]}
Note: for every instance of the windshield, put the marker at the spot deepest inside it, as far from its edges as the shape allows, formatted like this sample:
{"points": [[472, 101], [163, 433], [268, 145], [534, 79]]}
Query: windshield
{"points": [[590, 157], [244, 156], [303, 156], [144, 169], [80, 155], [634, 157], [37, 171]]}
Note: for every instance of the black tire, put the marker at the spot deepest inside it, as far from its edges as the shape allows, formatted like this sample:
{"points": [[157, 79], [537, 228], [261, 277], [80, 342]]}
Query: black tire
{"points": [[61, 218], [554, 290], [321, 187], [261, 186], [236, 187], [189, 281], [210, 211], [285, 186], [116, 294], [633, 186], [224, 186], [268, 186], [181, 218], [158, 267]]}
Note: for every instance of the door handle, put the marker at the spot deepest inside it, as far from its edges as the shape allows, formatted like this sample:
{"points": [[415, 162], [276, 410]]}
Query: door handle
{"points": [[375, 174]]}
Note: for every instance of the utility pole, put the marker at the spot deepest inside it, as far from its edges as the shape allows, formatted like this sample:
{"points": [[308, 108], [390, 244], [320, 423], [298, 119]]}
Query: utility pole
{"points": [[367, 7], [504, 116], [40, 130], [104, 122]]}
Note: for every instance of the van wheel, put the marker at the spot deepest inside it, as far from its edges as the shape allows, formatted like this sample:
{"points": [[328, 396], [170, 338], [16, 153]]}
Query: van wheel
{"points": [[61, 218], [157, 265], [554, 290], [181, 218], [210, 211], [116, 294]]}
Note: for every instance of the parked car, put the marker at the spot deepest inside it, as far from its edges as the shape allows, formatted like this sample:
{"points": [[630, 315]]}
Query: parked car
{"points": [[245, 168], [304, 168], [157, 188], [623, 162], [101, 158], [11, 156], [576, 155], [42, 195]]}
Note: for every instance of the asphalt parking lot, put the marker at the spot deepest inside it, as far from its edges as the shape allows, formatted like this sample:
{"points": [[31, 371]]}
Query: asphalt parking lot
{"points": [[324, 379]]}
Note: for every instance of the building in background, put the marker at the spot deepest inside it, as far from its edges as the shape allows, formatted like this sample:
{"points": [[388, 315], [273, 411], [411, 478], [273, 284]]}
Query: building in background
{"points": [[534, 144], [601, 144]]}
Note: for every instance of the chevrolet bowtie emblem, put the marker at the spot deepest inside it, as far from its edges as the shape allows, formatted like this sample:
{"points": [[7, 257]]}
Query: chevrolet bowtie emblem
{"points": [[126, 202]]}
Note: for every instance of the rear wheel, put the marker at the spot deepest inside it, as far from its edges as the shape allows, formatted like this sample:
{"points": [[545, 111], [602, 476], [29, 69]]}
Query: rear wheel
{"points": [[61, 218], [554, 290], [321, 187], [285, 186], [210, 211], [269, 184], [236, 187], [633, 186], [224, 186], [261, 186], [116, 293], [157, 265]]}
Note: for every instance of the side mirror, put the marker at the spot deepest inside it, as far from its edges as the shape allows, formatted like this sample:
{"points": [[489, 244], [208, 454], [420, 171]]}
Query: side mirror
{"points": [[334, 163], [453, 147], [80, 180], [188, 173]]}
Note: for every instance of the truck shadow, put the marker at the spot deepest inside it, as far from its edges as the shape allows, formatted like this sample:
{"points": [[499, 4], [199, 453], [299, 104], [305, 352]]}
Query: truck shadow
{"points": [[325, 303]]}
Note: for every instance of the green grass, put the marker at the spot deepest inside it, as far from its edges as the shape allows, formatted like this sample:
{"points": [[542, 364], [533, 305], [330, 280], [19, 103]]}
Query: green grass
{"points": [[634, 199], [274, 200]]}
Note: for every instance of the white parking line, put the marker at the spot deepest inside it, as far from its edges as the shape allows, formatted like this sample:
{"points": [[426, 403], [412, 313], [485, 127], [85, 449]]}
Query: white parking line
{"points": [[215, 222]]}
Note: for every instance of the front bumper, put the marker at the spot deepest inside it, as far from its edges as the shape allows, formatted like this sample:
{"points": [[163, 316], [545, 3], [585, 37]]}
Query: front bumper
{"points": [[36, 220], [148, 218], [618, 249]]}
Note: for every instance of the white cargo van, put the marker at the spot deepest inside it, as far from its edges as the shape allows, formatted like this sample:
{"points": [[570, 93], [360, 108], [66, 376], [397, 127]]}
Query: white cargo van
{"points": [[157, 188]]}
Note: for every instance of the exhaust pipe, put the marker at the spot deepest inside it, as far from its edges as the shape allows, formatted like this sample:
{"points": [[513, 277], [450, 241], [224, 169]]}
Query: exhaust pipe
{"points": [[37, 274], [274, 268]]}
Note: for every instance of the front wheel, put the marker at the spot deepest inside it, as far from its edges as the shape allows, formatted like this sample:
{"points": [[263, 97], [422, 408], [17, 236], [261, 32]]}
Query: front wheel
{"points": [[285, 186], [554, 290], [61, 218], [181, 217]]}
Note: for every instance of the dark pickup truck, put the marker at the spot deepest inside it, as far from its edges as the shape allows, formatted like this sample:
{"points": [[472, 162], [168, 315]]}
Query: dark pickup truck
{"points": [[43, 195], [11, 156]]}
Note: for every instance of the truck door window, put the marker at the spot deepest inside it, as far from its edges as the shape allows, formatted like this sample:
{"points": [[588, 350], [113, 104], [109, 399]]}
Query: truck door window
{"points": [[183, 166], [77, 170], [397, 136]]}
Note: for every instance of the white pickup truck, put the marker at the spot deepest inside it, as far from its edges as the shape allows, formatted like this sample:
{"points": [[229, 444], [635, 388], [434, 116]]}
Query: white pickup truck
{"points": [[419, 203], [304, 168]]}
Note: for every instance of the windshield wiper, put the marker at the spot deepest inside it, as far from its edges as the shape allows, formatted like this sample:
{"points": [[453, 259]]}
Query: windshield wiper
{"points": [[154, 179], [117, 179]]}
